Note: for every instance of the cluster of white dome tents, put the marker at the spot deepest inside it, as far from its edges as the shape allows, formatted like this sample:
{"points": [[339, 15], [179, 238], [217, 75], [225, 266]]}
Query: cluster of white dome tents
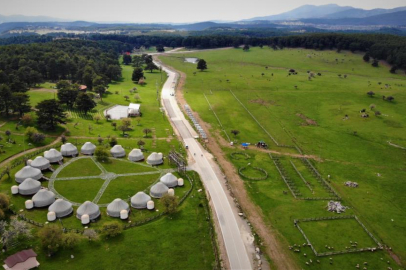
{"points": [[28, 178]]}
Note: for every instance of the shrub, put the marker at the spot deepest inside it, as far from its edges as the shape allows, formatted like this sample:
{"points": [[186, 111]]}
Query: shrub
{"points": [[27, 120], [102, 154], [4, 201], [51, 239], [113, 141], [112, 229], [70, 240], [90, 234], [170, 203], [29, 131], [37, 138], [2, 215]]}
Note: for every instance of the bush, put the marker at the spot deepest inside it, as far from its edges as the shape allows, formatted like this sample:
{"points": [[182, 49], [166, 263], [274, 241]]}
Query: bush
{"points": [[170, 203], [37, 138], [70, 240], [113, 141], [27, 120], [29, 131], [102, 154], [51, 238], [112, 229], [4, 201], [2, 215]]}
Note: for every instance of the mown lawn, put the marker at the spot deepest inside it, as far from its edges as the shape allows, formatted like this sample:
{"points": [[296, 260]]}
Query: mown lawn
{"points": [[312, 114]]}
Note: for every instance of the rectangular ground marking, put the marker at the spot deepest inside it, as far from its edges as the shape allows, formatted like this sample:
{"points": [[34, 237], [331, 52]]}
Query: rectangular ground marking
{"points": [[328, 236]]}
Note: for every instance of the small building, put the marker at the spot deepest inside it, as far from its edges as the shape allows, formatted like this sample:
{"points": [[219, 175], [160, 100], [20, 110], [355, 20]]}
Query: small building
{"points": [[29, 187], [169, 180], [53, 155], [83, 88], [158, 190], [28, 172], [140, 200], [115, 207], [136, 155], [40, 163], [43, 198], [25, 259], [117, 151], [69, 150], [88, 208], [61, 208], [155, 159], [88, 148], [134, 109]]}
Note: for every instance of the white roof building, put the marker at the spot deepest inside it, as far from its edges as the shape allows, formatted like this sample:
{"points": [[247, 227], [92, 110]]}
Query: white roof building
{"points": [[133, 109]]}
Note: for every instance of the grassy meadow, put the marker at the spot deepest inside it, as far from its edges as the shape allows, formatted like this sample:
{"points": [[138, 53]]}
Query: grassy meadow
{"points": [[322, 117]]}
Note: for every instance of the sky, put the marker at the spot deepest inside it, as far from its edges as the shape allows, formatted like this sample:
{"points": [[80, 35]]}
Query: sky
{"points": [[168, 11]]}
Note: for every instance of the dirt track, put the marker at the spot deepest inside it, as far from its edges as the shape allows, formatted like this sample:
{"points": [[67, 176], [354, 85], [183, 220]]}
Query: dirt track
{"points": [[280, 258]]}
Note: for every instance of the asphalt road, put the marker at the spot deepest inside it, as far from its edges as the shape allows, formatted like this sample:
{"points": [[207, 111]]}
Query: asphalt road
{"points": [[233, 238]]}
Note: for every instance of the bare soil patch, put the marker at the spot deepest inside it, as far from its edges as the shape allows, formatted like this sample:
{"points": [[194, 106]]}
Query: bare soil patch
{"points": [[308, 121]]}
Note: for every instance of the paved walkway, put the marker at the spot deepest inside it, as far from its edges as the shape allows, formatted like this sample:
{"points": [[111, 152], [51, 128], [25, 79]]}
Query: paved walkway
{"points": [[233, 237]]}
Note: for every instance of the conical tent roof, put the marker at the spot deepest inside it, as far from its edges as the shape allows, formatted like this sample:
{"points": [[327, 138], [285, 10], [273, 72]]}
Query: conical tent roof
{"points": [[61, 208], [158, 190], [28, 172], [88, 208], [43, 198], [140, 200], [40, 163], [88, 148], [29, 186], [155, 159], [53, 155], [117, 151], [68, 149], [136, 155], [115, 207], [169, 180]]}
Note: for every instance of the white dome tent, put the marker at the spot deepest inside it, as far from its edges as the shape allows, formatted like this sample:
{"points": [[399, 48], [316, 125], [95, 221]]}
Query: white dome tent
{"points": [[40, 163], [53, 155], [88, 208], [61, 208], [140, 200], [155, 159], [136, 155], [69, 150], [29, 186], [114, 208], [158, 190], [169, 180], [43, 198], [88, 148], [28, 172], [117, 151]]}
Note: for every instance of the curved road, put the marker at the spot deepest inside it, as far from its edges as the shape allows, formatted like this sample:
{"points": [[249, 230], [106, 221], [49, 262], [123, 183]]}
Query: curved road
{"points": [[233, 239]]}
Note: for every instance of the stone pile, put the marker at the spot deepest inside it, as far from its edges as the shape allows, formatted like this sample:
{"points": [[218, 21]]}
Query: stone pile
{"points": [[333, 206], [351, 184]]}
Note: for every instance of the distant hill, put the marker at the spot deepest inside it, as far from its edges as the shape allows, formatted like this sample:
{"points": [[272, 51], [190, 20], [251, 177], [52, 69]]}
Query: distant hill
{"points": [[390, 19], [23, 18], [362, 13], [305, 12]]}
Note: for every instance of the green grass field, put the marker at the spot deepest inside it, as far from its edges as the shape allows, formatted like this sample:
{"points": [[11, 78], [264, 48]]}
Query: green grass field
{"points": [[311, 115]]}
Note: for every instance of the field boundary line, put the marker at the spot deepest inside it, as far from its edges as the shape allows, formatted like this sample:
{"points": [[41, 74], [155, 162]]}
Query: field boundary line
{"points": [[253, 117], [221, 125]]}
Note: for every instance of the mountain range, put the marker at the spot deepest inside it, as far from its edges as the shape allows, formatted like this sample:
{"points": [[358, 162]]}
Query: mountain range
{"points": [[330, 11]]}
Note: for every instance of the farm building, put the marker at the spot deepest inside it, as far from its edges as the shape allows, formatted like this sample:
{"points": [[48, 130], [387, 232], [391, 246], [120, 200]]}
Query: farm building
{"points": [[28, 172], [134, 109], [25, 259], [43, 198]]}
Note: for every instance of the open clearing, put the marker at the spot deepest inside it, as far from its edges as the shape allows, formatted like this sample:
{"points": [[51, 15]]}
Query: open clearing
{"points": [[254, 93]]}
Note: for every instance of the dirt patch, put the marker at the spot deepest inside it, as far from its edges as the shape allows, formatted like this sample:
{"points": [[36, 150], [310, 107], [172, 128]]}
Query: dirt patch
{"points": [[270, 237], [262, 102], [43, 90], [308, 121]]}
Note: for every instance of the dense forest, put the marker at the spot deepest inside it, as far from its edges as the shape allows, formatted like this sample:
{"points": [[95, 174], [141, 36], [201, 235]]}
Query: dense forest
{"points": [[79, 61]]}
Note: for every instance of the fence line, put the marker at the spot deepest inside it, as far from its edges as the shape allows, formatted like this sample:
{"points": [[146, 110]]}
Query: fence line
{"points": [[221, 125]]}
